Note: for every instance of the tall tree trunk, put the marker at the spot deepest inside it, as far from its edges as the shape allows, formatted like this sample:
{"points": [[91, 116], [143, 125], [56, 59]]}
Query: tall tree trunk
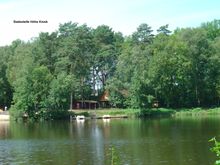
{"points": [[71, 100], [197, 96], [94, 81], [82, 91]]}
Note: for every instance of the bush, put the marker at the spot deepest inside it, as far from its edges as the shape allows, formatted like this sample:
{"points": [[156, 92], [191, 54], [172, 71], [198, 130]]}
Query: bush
{"points": [[86, 114], [43, 114], [15, 114], [56, 114], [160, 112], [216, 150]]}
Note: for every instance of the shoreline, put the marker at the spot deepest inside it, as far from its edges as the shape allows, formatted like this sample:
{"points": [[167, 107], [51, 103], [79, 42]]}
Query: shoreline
{"points": [[148, 113], [119, 113], [4, 116]]}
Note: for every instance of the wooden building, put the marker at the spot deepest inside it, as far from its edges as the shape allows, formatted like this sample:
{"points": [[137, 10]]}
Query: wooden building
{"points": [[85, 104], [104, 100]]}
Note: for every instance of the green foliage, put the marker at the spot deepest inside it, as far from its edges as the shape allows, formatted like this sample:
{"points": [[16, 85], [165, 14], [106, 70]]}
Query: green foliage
{"points": [[77, 62], [40, 80], [113, 155], [178, 70], [164, 30], [86, 114], [60, 88], [143, 34], [216, 149], [196, 112], [55, 114], [107, 46], [130, 112], [15, 113], [5, 87], [212, 28], [153, 112]]}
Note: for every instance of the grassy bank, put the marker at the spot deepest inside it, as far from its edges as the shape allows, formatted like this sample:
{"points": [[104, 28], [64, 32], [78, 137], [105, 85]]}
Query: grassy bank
{"points": [[131, 113], [116, 112], [197, 112], [153, 112], [41, 115]]}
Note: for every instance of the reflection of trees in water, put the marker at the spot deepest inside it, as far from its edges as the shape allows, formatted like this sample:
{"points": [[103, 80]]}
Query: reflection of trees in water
{"points": [[4, 129]]}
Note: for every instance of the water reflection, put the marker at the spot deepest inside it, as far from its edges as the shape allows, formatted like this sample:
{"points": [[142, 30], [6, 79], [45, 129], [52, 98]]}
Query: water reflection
{"points": [[97, 144], [151, 142], [106, 120], [4, 129]]}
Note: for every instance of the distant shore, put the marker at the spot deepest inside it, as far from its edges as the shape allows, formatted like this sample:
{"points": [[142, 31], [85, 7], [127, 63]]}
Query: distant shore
{"points": [[129, 113], [118, 113], [153, 112]]}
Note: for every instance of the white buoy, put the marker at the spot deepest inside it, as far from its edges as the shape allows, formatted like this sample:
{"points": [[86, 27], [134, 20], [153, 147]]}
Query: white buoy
{"points": [[80, 117], [106, 116]]}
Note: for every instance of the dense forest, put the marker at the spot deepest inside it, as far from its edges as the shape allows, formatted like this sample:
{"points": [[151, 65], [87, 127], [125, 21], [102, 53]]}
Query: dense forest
{"points": [[77, 62]]}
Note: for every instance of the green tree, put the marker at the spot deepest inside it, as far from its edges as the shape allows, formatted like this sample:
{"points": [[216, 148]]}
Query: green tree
{"points": [[214, 72], [30, 81], [168, 71], [143, 35], [180, 69], [74, 55], [164, 30], [20, 66], [131, 74], [106, 50], [212, 28], [5, 87], [198, 55], [39, 79], [45, 50]]}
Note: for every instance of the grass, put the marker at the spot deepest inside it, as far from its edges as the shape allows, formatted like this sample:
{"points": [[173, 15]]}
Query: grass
{"points": [[152, 112], [198, 112], [131, 113], [111, 111]]}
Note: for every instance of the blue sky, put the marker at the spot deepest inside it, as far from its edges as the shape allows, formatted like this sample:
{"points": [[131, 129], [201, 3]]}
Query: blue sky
{"points": [[121, 15]]}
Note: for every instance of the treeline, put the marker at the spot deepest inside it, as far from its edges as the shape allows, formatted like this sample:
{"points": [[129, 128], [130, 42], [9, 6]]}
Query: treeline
{"points": [[77, 62]]}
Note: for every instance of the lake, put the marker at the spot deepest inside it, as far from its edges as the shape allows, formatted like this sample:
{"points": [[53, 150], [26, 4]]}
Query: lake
{"points": [[167, 141]]}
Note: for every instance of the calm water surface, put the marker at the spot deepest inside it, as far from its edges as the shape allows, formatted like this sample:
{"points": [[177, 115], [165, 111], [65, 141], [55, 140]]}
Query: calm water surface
{"points": [[137, 142]]}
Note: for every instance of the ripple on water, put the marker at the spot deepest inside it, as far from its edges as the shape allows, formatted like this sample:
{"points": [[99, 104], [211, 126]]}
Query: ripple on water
{"points": [[24, 151]]}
